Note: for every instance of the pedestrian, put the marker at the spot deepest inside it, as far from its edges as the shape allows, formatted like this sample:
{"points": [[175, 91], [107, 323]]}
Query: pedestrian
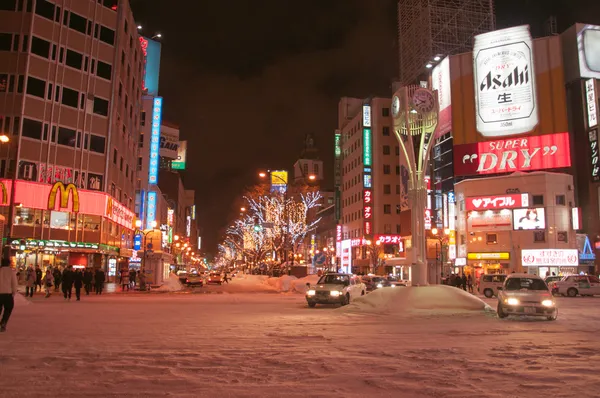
{"points": [[125, 281], [463, 282], [132, 276], [99, 278], [87, 281], [48, 281], [8, 289], [226, 278], [67, 282], [29, 281], [142, 279], [470, 283], [93, 280], [78, 283], [57, 278], [38, 278]]}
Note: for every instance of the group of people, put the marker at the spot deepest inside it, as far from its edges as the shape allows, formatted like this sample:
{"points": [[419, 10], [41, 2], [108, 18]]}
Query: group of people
{"points": [[464, 282], [67, 279], [128, 278]]}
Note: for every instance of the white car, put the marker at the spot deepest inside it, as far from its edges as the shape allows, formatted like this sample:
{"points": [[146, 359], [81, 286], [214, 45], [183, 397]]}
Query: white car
{"points": [[573, 285], [526, 295], [489, 284], [335, 288]]}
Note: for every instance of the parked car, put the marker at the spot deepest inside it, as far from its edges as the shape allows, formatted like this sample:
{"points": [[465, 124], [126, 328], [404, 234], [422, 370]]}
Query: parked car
{"points": [[573, 285], [550, 282], [374, 282], [526, 295], [489, 284], [214, 277], [335, 288], [395, 282], [193, 279]]}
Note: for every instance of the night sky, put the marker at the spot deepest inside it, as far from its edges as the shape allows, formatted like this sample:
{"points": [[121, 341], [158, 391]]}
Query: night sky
{"points": [[247, 80]]}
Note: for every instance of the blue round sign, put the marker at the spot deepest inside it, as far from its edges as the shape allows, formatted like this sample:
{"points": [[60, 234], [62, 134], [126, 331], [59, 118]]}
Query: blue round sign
{"points": [[319, 258]]}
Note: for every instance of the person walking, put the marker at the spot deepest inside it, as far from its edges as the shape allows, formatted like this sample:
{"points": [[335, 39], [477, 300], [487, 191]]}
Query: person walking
{"points": [[132, 276], [463, 282], [29, 281], [8, 289], [226, 278], [470, 283], [78, 283], [38, 278], [99, 277], [87, 280], [48, 282], [67, 282], [57, 278]]}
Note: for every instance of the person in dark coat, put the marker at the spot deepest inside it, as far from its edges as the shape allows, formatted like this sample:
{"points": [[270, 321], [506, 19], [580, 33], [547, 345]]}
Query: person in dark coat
{"points": [[78, 283], [87, 281], [99, 277], [38, 278], [57, 278], [67, 282], [132, 276]]}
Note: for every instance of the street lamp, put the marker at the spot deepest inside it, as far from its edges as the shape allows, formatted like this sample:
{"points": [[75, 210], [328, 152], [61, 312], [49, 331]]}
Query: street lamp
{"points": [[138, 224], [242, 209], [158, 35]]}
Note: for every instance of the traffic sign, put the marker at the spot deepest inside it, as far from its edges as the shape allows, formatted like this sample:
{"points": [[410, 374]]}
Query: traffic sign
{"points": [[319, 259]]}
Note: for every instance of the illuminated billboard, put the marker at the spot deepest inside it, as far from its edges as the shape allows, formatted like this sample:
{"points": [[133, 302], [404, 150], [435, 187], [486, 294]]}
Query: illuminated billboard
{"points": [[169, 142], [179, 163], [366, 121], [367, 150], [530, 153], [368, 211], [549, 257], [151, 209], [529, 219], [507, 201], [489, 220], [155, 140], [440, 81], [151, 53]]}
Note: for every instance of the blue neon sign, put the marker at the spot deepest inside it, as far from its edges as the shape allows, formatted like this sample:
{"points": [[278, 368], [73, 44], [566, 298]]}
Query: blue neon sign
{"points": [[155, 140], [151, 210], [137, 242]]}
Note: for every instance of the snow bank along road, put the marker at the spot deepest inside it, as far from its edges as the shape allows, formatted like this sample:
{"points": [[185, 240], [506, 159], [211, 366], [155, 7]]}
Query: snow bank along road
{"points": [[265, 345]]}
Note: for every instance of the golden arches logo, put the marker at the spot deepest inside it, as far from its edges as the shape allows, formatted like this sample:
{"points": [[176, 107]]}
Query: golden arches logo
{"points": [[4, 193], [65, 192], [109, 206]]}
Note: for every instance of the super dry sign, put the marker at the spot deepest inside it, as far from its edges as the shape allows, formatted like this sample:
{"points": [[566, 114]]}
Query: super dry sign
{"points": [[531, 153]]}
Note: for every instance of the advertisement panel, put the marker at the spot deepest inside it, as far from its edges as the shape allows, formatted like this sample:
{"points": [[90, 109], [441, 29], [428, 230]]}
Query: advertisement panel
{"points": [[366, 120], [594, 159], [368, 211], [531, 153], [169, 142], [507, 201], [489, 256], [590, 99], [489, 220], [440, 81], [367, 150], [338, 159], [179, 162], [151, 209], [529, 219], [552, 257], [346, 257], [151, 53], [155, 141]]}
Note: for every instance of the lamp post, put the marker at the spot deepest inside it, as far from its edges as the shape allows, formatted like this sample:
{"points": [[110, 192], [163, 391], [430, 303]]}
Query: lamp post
{"points": [[138, 224], [442, 240], [11, 206]]}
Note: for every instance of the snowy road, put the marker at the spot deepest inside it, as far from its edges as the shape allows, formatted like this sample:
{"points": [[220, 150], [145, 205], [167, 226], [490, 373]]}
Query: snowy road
{"points": [[271, 345]]}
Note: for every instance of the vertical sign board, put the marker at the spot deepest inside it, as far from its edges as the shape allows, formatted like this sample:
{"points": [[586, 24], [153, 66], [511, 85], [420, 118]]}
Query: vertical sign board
{"points": [[151, 56], [368, 212], [155, 141], [151, 210], [367, 172], [594, 158], [440, 82], [338, 175], [590, 96]]}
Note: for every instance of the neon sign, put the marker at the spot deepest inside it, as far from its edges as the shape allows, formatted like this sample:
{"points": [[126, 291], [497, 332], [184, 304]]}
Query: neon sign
{"points": [[509, 201], [65, 193], [151, 210], [367, 153], [155, 141]]}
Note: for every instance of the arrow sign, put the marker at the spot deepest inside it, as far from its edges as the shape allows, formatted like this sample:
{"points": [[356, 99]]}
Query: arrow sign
{"points": [[319, 258]]}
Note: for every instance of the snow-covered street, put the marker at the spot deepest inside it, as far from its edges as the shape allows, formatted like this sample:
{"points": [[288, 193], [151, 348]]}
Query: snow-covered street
{"points": [[271, 345]]}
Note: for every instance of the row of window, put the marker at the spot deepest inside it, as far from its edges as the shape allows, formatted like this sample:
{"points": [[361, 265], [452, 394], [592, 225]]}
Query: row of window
{"points": [[122, 165], [74, 21], [20, 5], [66, 96], [387, 169], [61, 135], [71, 58]]}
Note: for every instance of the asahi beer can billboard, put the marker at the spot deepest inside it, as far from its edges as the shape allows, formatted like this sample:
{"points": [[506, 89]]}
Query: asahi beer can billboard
{"points": [[505, 91]]}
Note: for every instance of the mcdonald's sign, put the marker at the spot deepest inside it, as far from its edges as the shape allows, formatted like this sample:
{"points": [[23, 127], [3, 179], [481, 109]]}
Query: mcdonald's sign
{"points": [[4, 194], [65, 192]]}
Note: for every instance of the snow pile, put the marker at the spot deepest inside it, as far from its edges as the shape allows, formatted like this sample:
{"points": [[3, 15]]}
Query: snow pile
{"points": [[171, 285], [425, 300], [299, 285], [281, 284], [243, 283]]}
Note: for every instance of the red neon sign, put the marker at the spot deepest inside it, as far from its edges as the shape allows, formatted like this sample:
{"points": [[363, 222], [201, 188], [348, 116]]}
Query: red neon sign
{"points": [[509, 201], [338, 233], [387, 239], [144, 44], [368, 229], [540, 152]]}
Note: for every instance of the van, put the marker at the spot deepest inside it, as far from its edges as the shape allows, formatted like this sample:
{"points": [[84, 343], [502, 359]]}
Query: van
{"points": [[489, 284]]}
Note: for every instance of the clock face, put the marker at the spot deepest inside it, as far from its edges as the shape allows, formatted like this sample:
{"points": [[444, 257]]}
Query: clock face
{"points": [[395, 106], [423, 100]]}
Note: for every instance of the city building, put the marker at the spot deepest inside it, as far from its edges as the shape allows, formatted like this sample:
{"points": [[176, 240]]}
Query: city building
{"points": [[71, 86], [371, 193]]}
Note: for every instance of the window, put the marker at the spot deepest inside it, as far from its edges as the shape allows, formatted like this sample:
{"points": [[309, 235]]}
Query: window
{"points": [[16, 125], [126, 26], [397, 150], [316, 168], [387, 209], [86, 62], [40, 47], [121, 164], [104, 71], [537, 200], [142, 118], [36, 87], [100, 106], [114, 155], [15, 44], [70, 97], [5, 41], [386, 149], [397, 189], [81, 101], [45, 9], [32, 128], [491, 239], [387, 189], [107, 35], [25, 43], [397, 170], [398, 229], [8, 5], [45, 132], [97, 143], [386, 169], [112, 4], [66, 136], [385, 111], [387, 228], [74, 59], [78, 23], [86, 139], [126, 170], [398, 209], [123, 58], [561, 200], [20, 82], [386, 131]]}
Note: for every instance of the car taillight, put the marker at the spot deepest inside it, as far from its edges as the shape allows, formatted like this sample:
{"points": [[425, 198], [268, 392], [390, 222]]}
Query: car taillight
{"points": [[187, 281]]}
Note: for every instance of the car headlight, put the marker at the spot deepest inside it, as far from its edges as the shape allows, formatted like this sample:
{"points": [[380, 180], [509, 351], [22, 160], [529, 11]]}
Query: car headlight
{"points": [[512, 301], [311, 293], [393, 285], [548, 303], [379, 286], [335, 293]]}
